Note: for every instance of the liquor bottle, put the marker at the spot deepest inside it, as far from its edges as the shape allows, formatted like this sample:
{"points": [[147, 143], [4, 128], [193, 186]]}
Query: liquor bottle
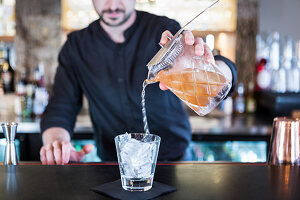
{"points": [[27, 107], [239, 100], [278, 82], [250, 100], [40, 92], [263, 76], [228, 106], [20, 98], [2, 61], [7, 75], [292, 73], [297, 61], [263, 73]]}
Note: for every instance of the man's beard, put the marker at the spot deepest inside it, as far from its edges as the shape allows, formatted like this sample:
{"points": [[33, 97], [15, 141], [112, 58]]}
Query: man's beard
{"points": [[114, 25]]}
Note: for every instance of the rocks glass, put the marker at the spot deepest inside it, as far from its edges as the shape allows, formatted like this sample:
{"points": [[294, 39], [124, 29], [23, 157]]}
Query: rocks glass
{"points": [[137, 155]]}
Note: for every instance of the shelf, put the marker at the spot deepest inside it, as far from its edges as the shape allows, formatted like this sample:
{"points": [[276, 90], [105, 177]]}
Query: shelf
{"points": [[222, 17], [7, 38]]}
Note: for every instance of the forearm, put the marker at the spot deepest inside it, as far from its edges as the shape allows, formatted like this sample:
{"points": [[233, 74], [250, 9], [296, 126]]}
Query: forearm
{"points": [[55, 134]]}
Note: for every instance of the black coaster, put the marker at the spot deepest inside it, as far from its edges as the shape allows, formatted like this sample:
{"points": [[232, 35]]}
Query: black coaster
{"points": [[114, 189]]}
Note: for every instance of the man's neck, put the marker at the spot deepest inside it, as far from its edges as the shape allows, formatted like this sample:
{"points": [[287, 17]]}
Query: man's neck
{"points": [[117, 33]]}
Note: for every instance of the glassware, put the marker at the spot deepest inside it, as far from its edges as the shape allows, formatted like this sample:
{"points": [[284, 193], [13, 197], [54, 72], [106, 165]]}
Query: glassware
{"points": [[200, 84], [274, 43], [137, 155], [297, 53], [297, 61], [292, 72], [278, 72], [293, 80], [285, 142]]}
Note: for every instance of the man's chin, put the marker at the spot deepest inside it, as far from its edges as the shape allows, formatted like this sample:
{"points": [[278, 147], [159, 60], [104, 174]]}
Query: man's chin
{"points": [[115, 21], [112, 22]]}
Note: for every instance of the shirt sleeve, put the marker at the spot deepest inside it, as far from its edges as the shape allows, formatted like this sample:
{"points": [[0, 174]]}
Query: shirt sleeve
{"points": [[173, 26], [232, 67], [167, 24], [66, 98]]}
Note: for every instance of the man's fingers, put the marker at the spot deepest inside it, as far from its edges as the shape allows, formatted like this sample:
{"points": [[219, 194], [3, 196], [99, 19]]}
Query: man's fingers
{"points": [[162, 86], [199, 46], [43, 156], [49, 154], [57, 152], [188, 37], [66, 152], [208, 54], [164, 37], [62, 153], [87, 148]]}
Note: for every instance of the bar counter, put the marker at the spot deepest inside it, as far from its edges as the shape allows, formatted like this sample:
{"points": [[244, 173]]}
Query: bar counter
{"points": [[242, 125], [192, 180], [214, 127]]}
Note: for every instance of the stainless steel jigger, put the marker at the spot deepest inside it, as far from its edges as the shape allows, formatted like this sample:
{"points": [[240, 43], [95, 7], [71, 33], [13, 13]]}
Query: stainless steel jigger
{"points": [[10, 130]]}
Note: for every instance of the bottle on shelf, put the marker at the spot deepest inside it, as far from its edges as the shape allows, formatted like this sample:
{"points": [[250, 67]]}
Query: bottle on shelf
{"points": [[20, 98], [239, 100], [227, 106], [263, 76], [296, 68], [250, 100], [2, 61], [292, 73], [40, 92], [7, 72], [278, 82], [28, 103], [263, 73]]}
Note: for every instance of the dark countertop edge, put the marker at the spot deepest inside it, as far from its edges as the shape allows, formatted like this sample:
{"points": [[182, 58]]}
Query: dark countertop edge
{"points": [[159, 163]]}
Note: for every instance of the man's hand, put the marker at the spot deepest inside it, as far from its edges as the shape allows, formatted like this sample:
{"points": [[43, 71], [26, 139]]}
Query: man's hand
{"points": [[201, 48], [58, 149], [61, 153]]}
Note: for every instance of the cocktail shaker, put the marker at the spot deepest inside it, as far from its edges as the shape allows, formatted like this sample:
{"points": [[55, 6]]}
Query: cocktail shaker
{"points": [[285, 142], [10, 130]]}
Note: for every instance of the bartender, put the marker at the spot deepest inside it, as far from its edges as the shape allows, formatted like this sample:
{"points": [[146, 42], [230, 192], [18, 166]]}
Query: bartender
{"points": [[106, 62]]}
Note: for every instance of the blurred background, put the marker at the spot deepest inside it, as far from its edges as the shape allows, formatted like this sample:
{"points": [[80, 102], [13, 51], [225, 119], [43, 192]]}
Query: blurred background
{"points": [[261, 36]]}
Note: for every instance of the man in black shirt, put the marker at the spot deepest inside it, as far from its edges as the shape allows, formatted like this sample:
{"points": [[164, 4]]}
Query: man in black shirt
{"points": [[107, 63]]}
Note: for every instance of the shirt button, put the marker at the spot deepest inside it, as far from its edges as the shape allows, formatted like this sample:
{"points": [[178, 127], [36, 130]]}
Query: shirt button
{"points": [[120, 80]]}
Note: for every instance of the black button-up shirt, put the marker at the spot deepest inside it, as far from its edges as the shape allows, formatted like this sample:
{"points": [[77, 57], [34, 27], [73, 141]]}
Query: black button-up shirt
{"points": [[110, 75]]}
